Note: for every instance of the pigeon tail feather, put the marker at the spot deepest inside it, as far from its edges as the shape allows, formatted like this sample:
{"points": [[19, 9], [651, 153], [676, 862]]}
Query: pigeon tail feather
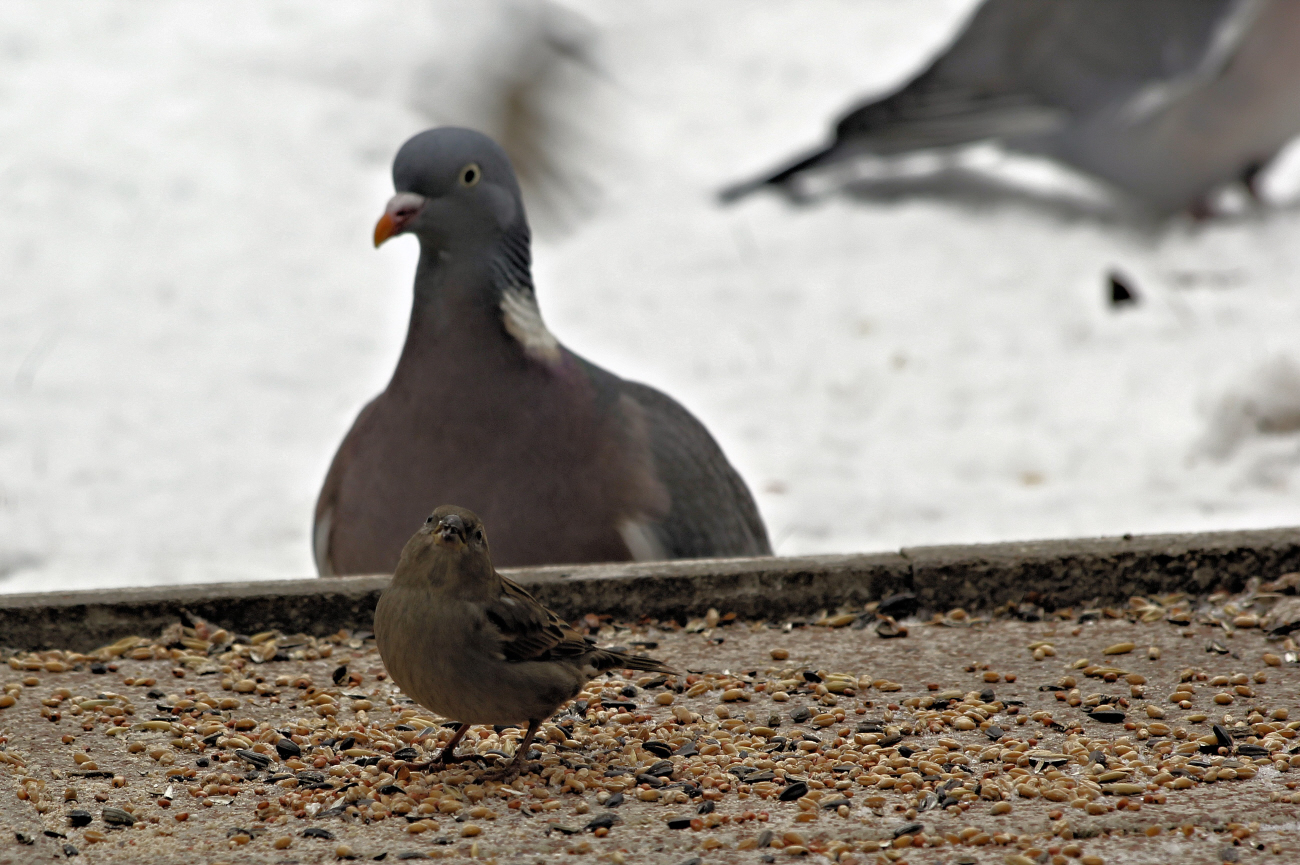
{"points": [[737, 191]]}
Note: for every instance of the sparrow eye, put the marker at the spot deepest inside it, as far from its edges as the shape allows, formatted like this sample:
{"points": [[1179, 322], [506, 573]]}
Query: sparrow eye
{"points": [[478, 535], [470, 174], [429, 520]]}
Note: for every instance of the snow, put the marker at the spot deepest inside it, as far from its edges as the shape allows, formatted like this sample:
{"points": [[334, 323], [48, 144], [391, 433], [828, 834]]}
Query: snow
{"points": [[192, 313]]}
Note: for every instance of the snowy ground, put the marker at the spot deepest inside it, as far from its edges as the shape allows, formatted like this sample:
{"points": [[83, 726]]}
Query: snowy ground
{"points": [[192, 314]]}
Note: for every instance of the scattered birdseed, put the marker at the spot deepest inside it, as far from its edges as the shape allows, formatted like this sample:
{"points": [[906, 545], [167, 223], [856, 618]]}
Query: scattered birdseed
{"points": [[869, 748]]}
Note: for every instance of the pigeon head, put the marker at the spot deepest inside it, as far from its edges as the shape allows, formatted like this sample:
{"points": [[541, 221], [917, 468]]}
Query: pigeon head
{"points": [[455, 189]]}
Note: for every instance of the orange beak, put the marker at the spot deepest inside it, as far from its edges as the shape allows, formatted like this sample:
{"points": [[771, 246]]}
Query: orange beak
{"points": [[401, 210], [385, 228]]}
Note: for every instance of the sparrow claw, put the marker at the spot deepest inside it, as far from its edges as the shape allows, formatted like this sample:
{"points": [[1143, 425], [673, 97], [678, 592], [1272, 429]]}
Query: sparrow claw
{"points": [[511, 771], [437, 763]]}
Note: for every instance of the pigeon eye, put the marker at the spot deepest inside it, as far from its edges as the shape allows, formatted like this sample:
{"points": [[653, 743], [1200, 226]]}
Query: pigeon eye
{"points": [[470, 174]]}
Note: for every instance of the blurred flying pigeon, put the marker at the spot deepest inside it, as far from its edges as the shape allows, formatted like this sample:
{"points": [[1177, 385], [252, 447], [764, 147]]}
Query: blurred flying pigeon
{"points": [[526, 73], [568, 462], [1164, 99]]}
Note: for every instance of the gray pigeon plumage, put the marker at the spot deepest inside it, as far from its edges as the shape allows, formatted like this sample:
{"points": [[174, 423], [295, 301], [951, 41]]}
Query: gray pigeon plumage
{"points": [[568, 462], [1166, 100]]}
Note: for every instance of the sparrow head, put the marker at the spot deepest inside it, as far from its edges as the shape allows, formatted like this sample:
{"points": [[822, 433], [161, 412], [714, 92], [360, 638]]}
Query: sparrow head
{"points": [[450, 551], [455, 188], [456, 528]]}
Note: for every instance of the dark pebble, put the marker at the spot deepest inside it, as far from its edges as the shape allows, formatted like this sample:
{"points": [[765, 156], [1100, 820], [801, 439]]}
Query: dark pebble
{"points": [[604, 821], [679, 823], [79, 818], [900, 606], [614, 801], [317, 832]]}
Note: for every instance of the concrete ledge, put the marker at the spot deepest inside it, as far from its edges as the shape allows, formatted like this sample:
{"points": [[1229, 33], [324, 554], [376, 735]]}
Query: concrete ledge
{"points": [[1054, 573]]}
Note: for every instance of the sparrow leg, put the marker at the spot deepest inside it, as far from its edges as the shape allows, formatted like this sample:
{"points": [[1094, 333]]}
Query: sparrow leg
{"points": [[447, 755], [516, 765]]}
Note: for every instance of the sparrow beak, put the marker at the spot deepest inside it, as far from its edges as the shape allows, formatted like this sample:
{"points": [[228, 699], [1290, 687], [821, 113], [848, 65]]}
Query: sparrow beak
{"points": [[402, 209], [451, 526]]}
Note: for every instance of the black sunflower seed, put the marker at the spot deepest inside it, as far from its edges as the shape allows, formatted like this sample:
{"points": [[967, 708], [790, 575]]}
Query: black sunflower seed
{"points": [[795, 791], [117, 817], [659, 749], [1108, 716], [261, 761]]}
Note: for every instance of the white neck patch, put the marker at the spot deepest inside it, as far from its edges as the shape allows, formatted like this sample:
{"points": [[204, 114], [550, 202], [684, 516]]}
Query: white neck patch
{"points": [[641, 540], [523, 321]]}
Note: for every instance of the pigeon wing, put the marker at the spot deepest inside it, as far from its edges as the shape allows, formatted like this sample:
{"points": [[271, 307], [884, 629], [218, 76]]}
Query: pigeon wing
{"points": [[711, 511], [1025, 69]]}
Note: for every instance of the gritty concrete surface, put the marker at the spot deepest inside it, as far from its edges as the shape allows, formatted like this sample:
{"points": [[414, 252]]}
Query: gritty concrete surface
{"points": [[965, 741], [1052, 573]]}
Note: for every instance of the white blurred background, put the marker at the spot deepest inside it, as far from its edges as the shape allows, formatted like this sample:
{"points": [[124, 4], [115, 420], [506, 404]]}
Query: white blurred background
{"points": [[191, 312]]}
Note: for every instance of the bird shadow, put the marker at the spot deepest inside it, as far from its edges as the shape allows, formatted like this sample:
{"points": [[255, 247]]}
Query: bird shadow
{"points": [[980, 192], [977, 192]]}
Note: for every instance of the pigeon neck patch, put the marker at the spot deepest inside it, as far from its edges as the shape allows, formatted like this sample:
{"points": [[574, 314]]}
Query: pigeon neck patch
{"points": [[513, 276], [523, 320]]}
